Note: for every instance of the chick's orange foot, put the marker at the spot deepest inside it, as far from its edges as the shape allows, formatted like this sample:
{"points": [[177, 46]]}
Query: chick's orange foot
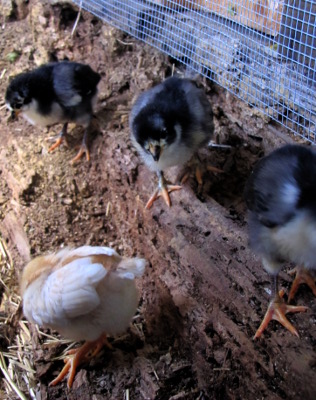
{"points": [[79, 356], [187, 172], [215, 170], [199, 172], [59, 141], [83, 150], [302, 276], [277, 310], [163, 191]]}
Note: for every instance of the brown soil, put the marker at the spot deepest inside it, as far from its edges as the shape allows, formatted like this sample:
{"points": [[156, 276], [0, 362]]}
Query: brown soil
{"points": [[204, 292]]}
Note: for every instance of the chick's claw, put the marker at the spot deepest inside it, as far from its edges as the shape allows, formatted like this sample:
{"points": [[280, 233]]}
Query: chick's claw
{"points": [[198, 176], [214, 169], [162, 191], [61, 140], [302, 276], [99, 344], [277, 310], [79, 356], [198, 172], [83, 150]]}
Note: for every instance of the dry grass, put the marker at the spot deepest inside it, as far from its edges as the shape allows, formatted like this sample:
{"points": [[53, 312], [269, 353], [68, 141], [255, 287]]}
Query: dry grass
{"points": [[16, 355], [17, 350]]}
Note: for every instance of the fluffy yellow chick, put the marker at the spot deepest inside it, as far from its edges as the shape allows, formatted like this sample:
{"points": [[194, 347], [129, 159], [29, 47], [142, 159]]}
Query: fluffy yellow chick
{"points": [[84, 294]]}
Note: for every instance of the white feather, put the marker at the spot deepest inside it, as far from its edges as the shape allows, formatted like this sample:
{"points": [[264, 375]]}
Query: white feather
{"points": [[33, 116], [86, 251], [290, 193], [82, 300], [131, 267], [68, 292], [294, 241], [73, 101], [127, 275]]}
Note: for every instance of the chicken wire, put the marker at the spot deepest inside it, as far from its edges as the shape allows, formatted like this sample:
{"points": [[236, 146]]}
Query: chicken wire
{"points": [[263, 51]]}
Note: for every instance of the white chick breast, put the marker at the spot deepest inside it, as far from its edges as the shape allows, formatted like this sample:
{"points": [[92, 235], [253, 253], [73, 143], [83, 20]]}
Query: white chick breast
{"points": [[89, 292], [294, 241], [31, 113]]}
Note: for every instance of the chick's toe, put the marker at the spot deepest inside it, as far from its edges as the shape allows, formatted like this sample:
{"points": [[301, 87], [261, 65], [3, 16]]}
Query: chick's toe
{"points": [[199, 169], [61, 139], [82, 150], [303, 275], [79, 356], [277, 310], [163, 191]]}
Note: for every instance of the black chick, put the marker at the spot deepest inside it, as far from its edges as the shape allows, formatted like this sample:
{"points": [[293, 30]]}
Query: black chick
{"points": [[56, 93], [168, 124], [281, 197]]}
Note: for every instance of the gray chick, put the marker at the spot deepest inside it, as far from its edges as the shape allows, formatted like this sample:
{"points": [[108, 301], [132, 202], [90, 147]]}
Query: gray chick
{"points": [[168, 124], [281, 198]]}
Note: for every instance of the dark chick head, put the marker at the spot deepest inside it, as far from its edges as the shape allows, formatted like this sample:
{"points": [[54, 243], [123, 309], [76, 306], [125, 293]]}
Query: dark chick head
{"points": [[18, 94], [155, 130], [170, 122]]}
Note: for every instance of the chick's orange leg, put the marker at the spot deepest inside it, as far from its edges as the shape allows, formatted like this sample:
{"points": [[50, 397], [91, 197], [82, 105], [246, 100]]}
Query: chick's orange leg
{"points": [[215, 169], [198, 172], [99, 344], [80, 355], [198, 176], [277, 310], [302, 276], [60, 139], [162, 190], [82, 150]]}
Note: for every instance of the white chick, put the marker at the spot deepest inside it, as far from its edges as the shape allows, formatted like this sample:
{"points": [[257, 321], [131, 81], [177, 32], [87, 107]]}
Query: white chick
{"points": [[84, 294]]}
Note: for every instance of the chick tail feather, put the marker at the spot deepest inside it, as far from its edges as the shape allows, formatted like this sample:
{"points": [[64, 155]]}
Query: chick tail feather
{"points": [[131, 267]]}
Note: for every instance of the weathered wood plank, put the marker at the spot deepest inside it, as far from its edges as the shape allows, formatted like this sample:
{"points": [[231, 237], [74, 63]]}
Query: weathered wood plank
{"points": [[263, 15]]}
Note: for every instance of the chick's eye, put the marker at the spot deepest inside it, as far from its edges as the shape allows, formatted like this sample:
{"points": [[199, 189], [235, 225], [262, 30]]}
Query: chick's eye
{"points": [[18, 102], [163, 133]]}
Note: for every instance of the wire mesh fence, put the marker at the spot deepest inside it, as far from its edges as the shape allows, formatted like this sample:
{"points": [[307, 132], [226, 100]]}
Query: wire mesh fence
{"points": [[263, 51]]}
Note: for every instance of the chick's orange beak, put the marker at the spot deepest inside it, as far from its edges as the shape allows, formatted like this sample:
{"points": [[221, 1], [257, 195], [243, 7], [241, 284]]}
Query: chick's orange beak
{"points": [[14, 115], [155, 151]]}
